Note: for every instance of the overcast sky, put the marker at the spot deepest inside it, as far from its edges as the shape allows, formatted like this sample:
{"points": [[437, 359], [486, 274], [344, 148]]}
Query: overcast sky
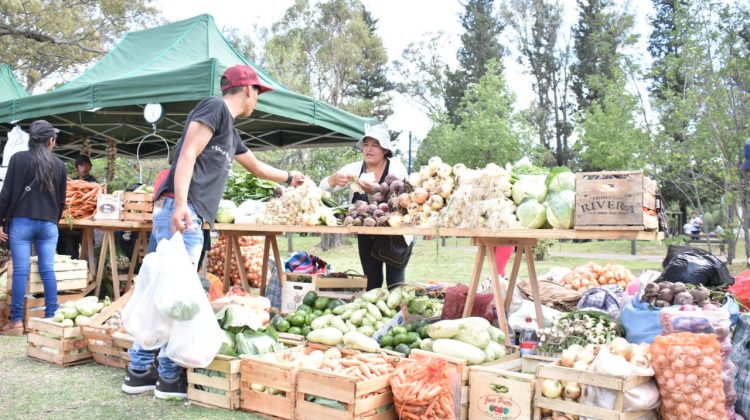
{"points": [[400, 22]]}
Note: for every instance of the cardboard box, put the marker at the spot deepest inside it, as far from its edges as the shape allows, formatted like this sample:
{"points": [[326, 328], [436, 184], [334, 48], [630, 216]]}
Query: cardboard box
{"points": [[108, 207], [294, 289]]}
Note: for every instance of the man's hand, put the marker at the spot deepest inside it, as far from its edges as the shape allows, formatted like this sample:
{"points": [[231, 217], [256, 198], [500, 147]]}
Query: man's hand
{"points": [[182, 218], [297, 178], [3, 235]]}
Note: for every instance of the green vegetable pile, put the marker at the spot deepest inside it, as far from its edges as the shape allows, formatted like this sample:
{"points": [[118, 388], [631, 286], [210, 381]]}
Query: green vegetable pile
{"points": [[79, 312], [580, 327], [246, 186], [242, 334], [405, 338], [473, 339], [545, 200]]}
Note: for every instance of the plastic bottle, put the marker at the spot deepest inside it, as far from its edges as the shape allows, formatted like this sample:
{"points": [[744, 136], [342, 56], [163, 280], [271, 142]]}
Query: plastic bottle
{"points": [[529, 339]]}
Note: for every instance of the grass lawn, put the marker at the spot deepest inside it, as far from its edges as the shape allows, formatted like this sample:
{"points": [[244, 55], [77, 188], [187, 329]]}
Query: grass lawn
{"points": [[38, 390], [454, 262]]}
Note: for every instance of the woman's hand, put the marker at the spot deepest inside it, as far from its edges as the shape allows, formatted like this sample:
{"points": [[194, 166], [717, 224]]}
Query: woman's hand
{"points": [[366, 186], [338, 179], [3, 235]]}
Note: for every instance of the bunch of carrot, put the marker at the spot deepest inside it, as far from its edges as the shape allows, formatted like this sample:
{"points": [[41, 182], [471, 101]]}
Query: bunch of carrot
{"points": [[361, 366], [422, 390], [80, 199]]}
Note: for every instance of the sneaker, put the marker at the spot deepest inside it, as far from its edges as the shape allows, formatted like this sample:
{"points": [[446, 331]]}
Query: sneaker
{"points": [[138, 383], [172, 389]]}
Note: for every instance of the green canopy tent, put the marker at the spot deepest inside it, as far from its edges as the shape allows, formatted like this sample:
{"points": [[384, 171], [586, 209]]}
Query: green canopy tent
{"points": [[10, 89], [174, 65]]}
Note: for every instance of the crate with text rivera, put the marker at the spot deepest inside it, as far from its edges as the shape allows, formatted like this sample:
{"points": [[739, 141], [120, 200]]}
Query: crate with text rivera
{"points": [[616, 201]]}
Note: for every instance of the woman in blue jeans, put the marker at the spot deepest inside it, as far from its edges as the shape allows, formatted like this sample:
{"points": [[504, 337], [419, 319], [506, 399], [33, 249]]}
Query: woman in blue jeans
{"points": [[31, 203]]}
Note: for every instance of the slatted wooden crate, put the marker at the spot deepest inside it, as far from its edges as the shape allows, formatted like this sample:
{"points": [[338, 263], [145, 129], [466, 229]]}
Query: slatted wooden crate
{"points": [[34, 307], [619, 384], [137, 207], [359, 398], [218, 389], [70, 275], [345, 288], [615, 201], [101, 342], [259, 374], [51, 342]]}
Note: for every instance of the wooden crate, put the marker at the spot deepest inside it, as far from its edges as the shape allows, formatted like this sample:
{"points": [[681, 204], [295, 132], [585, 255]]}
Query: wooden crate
{"points": [[137, 207], [345, 288], [617, 383], [100, 337], [70, 275], [500, 389], [228, 386], [34, 306], [358, 397], [615, 201], [51, 342]]}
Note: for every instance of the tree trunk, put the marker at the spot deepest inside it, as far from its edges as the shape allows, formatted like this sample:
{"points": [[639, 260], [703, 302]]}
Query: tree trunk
{"points": [[289, 243], [330, 241], [729, 225]]}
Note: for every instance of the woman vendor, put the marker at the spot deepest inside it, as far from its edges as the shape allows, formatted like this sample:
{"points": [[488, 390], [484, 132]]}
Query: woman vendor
{"points": [[377, 163]]}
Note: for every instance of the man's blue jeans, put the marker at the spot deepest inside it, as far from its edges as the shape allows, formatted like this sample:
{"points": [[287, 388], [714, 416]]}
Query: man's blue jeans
{"points": [[22, 233], [140, 359]]}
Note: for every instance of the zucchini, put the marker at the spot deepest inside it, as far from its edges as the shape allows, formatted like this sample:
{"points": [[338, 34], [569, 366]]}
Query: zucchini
{"points": [[454, 348]]}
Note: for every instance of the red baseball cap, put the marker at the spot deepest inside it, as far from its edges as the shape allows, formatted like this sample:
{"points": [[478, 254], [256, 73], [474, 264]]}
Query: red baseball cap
{"points": [[243, 75]]}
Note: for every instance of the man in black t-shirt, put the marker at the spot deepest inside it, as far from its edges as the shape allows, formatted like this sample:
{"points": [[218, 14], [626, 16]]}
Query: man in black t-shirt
{"points": [[83, 167], [191, 194]]}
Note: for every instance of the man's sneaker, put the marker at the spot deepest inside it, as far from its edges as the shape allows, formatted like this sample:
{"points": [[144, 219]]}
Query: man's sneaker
{"points": [[137, 383], [172, 389]]}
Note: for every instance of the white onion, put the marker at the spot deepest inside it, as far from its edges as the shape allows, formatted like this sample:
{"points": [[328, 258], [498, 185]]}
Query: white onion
{"points": [[551, 388]]}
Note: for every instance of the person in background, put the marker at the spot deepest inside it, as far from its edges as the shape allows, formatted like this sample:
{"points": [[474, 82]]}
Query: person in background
{"points": [[31, 203], [687, 228], [83, 168], [69, 240], [697, 223], [191, 194], [377, 157]]}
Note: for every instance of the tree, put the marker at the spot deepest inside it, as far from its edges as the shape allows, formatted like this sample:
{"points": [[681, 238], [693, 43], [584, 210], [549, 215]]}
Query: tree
{"points": [[599, 37], [611, 139], [329, 51], [711, 109], [41, 38], [537, 26], [479, 45], [489, 131], [422, 70]]}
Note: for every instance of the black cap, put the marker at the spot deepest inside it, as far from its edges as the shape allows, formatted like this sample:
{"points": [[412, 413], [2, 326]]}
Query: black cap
{"points": [[80, 159], [42, 130]]}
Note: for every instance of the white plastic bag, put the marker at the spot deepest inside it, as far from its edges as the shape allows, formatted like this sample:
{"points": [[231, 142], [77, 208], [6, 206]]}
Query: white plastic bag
{"points": [[140, 317], [642, 397], [250, 212], [178, 291], [517, 319], [195, 343], [18, 141]]}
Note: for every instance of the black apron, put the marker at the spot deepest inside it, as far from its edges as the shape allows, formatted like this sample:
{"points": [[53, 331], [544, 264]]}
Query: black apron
{"points": [[362, 196]]}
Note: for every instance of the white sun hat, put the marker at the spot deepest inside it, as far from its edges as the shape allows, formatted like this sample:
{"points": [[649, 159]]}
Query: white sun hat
{"points": [[380, 133]]}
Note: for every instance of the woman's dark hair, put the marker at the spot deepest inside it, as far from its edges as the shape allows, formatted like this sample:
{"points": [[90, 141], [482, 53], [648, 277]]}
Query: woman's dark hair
{"points": [[43, 162]]}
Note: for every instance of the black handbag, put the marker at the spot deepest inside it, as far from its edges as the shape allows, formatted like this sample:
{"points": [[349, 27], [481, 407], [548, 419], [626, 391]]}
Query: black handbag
{"points": [[392, 250]]}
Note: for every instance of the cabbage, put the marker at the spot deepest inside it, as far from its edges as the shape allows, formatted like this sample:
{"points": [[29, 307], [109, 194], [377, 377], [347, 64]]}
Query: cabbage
{"points": [[228, 345], [226, 211], [561, 209], [560, 179], [256, 343], [531, 214], [529, 186]]}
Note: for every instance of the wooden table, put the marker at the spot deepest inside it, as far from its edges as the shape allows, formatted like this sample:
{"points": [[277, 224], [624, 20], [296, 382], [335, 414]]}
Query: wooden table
{"points": [[484, 240], [108, 246]]}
